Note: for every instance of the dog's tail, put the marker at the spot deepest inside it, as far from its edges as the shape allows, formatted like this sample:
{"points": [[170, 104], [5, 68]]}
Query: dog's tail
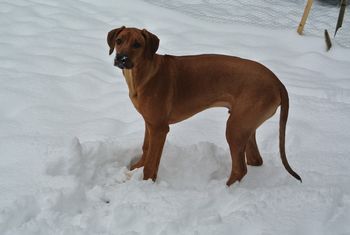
{"points": [[283, 122]]}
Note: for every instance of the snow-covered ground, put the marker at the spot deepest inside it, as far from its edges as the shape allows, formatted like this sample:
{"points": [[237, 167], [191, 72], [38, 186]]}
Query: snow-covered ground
{"points": [[68, 130]]}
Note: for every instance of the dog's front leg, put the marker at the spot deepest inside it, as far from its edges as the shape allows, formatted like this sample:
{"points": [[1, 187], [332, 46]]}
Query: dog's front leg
{"points": [[141, 162], [157, 136]]}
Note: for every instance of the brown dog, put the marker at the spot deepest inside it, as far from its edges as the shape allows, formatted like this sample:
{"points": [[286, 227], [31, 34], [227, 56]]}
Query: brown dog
{"points": [[168, 89]]}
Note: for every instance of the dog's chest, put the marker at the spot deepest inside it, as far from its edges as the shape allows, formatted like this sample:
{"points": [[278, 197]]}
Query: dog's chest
{"points": [[131, 85]]}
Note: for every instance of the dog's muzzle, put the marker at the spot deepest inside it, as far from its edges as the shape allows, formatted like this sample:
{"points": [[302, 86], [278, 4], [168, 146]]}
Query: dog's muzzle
{"points": [[122, 61]]}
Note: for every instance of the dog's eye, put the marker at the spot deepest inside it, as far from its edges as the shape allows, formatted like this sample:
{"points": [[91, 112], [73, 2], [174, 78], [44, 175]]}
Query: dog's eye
{"points": [[119, 41], [136, 45]]}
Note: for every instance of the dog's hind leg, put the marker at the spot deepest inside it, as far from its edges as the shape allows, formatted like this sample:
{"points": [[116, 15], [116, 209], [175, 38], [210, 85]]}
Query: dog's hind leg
{"points": [[237, 137], [252, 152]]}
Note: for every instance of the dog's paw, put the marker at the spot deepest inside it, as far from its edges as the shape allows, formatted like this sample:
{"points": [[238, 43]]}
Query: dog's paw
{"points": [[136, 162], [125, 175]]}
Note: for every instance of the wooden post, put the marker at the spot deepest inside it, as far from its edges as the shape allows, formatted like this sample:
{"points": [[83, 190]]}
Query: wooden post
{"points": [[341, 16], [305, 15]]}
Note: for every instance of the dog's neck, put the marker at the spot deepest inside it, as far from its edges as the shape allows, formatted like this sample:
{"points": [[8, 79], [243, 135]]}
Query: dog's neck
{"points": [[128, 75], [138, 77]]}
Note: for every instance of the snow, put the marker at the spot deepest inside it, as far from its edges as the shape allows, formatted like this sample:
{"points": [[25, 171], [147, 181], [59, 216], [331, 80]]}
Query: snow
{"points": [[69, 130]]}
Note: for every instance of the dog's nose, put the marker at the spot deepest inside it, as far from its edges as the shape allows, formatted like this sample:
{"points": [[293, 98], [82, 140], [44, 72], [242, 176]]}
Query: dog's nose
{"points": [[122, 61], [121, 58]]}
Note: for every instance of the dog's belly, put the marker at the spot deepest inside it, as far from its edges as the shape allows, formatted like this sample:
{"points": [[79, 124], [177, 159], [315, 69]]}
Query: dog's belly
{"points": [[189, 110]]}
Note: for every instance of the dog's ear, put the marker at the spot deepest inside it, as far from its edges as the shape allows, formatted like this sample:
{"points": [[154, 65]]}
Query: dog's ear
{"points": [[152, 43], [111, 37]]}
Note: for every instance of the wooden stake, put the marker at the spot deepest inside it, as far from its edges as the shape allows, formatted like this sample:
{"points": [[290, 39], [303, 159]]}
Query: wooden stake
{"points": [[328, 40], [305, 15]]}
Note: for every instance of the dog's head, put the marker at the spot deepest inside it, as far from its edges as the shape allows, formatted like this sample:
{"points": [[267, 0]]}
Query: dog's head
{"points": [[132, 46]]}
